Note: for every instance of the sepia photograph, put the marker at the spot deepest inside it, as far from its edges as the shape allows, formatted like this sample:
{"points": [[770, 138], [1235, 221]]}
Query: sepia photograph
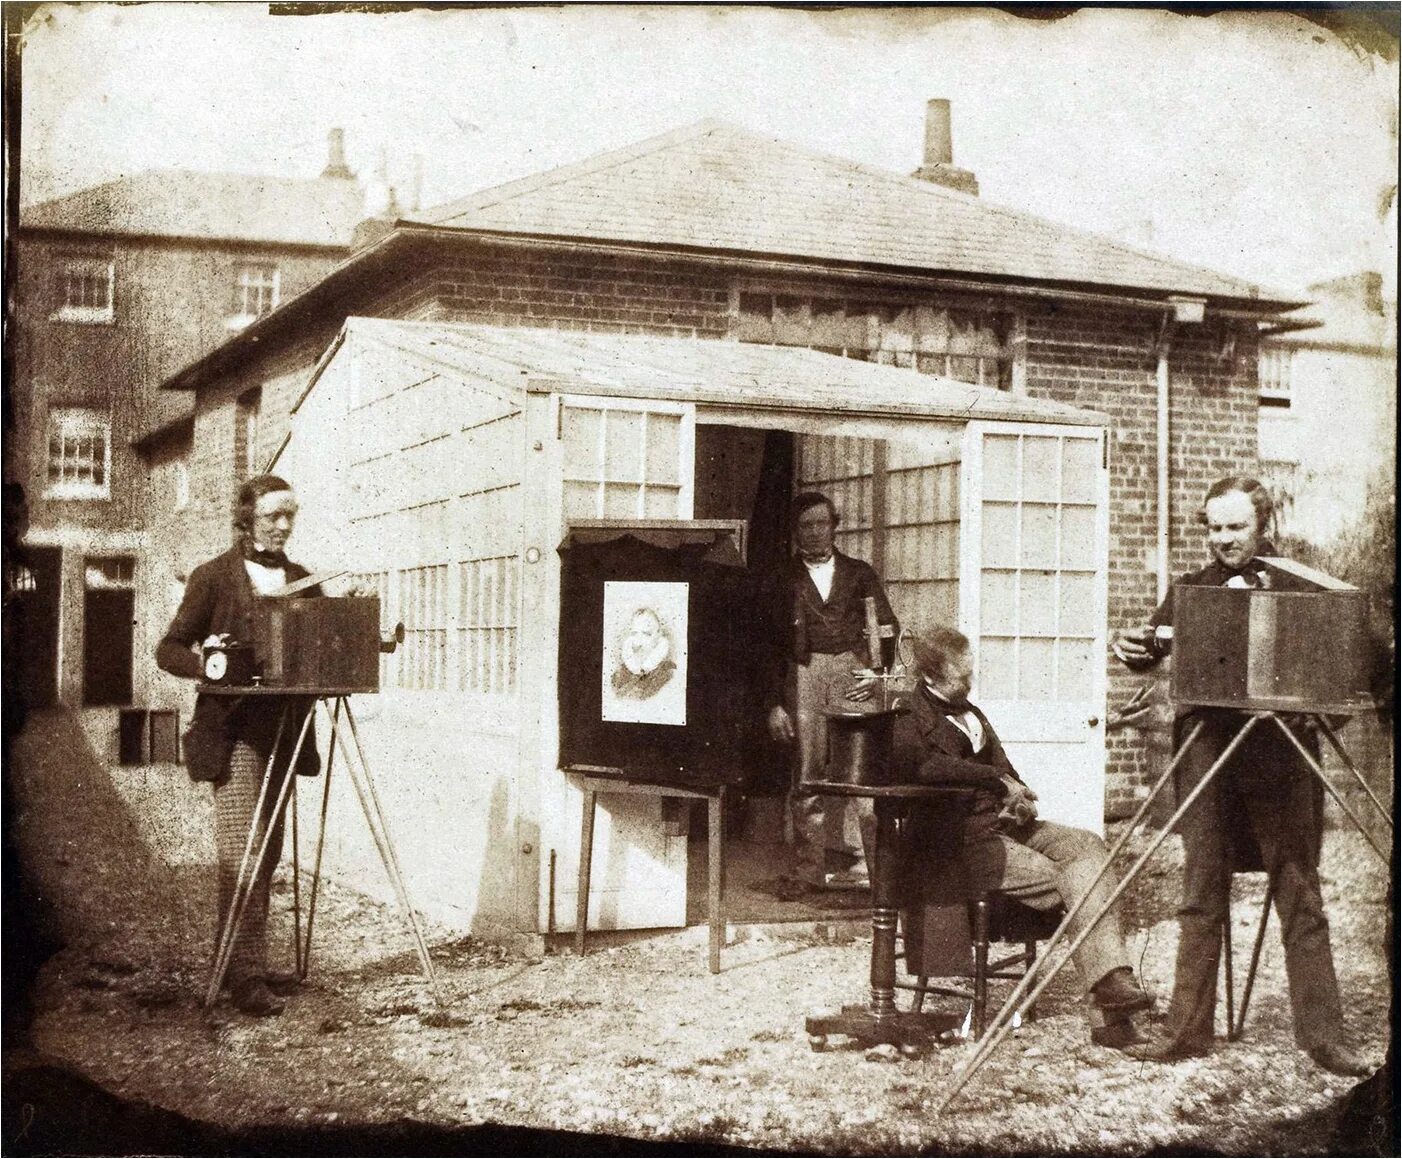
{"points": [[700, 579]]}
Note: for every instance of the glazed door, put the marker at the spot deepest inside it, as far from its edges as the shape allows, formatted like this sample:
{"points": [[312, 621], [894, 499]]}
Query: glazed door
{"points": [[616, 459], [1033, 566]]}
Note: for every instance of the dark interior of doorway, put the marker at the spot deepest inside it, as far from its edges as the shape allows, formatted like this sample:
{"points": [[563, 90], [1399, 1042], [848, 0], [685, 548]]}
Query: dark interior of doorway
{"points": [[748, 473]]}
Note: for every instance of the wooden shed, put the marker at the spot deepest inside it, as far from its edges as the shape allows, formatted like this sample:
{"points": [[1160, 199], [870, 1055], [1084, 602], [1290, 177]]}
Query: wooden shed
{"points": [[444, 464]]}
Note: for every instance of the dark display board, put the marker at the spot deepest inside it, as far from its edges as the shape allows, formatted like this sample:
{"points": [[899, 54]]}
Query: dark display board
{"points": [[655, 667]]}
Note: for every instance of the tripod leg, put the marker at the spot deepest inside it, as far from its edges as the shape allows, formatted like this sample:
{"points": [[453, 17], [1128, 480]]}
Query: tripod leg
{"points": [[1318, 772], [379, 830], [244, 890], [320, 842], [296, 892], [1255, 958], [1016, 1003], [1227, 963], [1348, 764]]}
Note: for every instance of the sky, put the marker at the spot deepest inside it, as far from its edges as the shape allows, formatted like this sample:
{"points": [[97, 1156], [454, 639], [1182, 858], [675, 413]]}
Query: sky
{"points": [[1252, 142]]}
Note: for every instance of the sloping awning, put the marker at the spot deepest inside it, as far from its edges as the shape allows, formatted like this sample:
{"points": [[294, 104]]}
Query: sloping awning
{"points": [[706, 372]]}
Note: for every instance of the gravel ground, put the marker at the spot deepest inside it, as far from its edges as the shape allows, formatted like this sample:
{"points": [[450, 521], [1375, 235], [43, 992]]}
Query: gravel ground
{"points": [[633, 1049]]}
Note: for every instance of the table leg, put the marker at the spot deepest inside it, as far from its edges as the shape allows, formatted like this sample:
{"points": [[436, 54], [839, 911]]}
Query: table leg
{"points": [[586, 855], [715, 807], [883, 915]]}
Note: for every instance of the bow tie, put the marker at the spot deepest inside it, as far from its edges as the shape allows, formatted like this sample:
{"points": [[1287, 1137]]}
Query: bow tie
{"points": [[814, 560], [264, 558]]}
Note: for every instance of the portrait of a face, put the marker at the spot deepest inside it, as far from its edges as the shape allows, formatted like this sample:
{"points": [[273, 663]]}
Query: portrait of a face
{"points": [[644, 665]]}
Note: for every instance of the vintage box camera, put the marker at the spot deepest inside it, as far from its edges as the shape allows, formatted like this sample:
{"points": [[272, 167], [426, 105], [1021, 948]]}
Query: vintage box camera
{"points": [[326, 644], [1257, 649]]}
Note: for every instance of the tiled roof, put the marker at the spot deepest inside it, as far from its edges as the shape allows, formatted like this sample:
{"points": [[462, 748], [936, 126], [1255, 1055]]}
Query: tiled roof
{"points": [[222, 206], [717, 186], [713, 372]]}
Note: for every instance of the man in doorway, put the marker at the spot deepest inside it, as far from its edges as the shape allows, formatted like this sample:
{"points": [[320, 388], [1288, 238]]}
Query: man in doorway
{"points": [[232, 740], [1006, 847], [816, 610], [1267, 785]]}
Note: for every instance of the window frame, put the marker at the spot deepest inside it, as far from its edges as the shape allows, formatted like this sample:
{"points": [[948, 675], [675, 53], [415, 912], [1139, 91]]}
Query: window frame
{"points": [[239, 315], [83, 313], [100, 422]]}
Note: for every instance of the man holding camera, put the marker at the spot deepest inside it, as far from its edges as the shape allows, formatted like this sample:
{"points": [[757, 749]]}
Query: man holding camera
{"points": [[232, 740], [1266, 784]]}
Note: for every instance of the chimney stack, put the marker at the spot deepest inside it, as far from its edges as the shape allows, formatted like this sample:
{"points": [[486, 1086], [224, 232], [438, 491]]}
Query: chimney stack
{"points": [[336, 157], [939, 164]]}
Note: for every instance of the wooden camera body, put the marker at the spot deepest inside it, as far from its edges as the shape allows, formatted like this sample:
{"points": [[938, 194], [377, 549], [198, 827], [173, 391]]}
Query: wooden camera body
{"points": [[1257, 649], [322, 644]]}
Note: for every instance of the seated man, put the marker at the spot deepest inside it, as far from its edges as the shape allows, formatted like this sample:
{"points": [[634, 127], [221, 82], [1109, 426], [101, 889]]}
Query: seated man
{"points": [[1039, 863]]}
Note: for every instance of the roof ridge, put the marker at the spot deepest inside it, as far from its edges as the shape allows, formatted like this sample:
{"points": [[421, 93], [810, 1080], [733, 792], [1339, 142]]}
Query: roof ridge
{"points": [[594, 163], [169, 171], [934, 189]]}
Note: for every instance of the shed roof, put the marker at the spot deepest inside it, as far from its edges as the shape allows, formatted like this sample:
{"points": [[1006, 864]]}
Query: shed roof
{"points": [[718, 186], [702, 371], [209, 206]]}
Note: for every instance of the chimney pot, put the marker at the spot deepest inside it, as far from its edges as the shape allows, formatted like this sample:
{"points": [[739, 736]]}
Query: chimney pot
{"points": [[336, 156], [939, 143], [939, 166]]}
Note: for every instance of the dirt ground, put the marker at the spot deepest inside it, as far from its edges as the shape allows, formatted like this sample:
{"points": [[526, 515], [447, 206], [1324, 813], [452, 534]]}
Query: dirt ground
{"points": [[633, 1049]]}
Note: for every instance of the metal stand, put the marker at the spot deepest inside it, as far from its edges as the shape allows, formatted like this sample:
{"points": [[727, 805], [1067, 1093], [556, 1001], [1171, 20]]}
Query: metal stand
{"points": [[1017, 1003], [359, 771], [880, 1021]]}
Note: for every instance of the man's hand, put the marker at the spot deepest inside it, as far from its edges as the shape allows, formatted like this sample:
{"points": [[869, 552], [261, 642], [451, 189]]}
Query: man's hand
{"points": [[865, 687], [1019, 806], [1133, 645], [780, 724]]}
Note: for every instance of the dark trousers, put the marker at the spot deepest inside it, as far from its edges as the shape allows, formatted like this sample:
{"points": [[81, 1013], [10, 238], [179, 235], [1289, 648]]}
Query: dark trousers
{"points": [[1267, 788]]}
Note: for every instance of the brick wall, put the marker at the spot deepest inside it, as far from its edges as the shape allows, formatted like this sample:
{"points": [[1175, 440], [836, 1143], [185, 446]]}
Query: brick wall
{"points": [[598, 293], [1105, 360]]}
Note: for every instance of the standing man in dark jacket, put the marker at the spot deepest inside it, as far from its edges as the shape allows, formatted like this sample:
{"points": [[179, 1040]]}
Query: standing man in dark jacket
{"points": [[231, 739], [817, 612], [1265, 785], [946, 739]]}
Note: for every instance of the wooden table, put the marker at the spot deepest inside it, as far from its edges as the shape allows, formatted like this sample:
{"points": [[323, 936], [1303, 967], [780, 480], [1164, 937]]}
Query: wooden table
{"points": [[596, 779], [879, 1021]]}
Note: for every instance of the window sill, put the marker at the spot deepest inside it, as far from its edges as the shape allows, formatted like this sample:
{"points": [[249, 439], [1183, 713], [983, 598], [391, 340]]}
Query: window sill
{"points": [[84, 315], [72, 492], [236, 322]]}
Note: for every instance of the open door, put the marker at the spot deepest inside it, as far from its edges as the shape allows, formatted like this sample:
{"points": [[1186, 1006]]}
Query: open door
{"points": [[615, 458], [1033, 565]]}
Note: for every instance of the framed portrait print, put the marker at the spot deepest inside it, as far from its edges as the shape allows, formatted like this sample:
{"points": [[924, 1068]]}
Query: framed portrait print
{"points": [[643, 671]]}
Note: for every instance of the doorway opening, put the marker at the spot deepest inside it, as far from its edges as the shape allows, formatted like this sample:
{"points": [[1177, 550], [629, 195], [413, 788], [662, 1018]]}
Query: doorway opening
{"points": [[899, 508], [109, 616]]}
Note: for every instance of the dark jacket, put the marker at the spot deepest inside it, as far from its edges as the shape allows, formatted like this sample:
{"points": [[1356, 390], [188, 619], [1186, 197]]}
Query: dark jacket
{"points": [[930, 749], [789, 599], [219, 598]]}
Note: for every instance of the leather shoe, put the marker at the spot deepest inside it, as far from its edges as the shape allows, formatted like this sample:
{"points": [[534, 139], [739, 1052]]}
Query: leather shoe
{"points": [[253, 997], [1336, 1057], [1119, 993], [1160, 1048]]}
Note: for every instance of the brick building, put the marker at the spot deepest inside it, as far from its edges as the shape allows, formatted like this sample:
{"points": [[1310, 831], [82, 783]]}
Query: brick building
{"points": [[117, 287], [707, 237]]}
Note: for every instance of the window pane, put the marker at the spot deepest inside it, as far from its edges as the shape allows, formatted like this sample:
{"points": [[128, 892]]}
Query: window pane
{"points": [[661, 503], [1038, 535], [1036, 669], [1039, 468], [1078, 538], [581, 442], [999, 535], [623, 449], [581, 501], [1000, 467], [1080, 461], [997, 669], [1038, 609], [1074, 679], [1077, 604], [621, 500], [998, 603], [663, 447]]}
